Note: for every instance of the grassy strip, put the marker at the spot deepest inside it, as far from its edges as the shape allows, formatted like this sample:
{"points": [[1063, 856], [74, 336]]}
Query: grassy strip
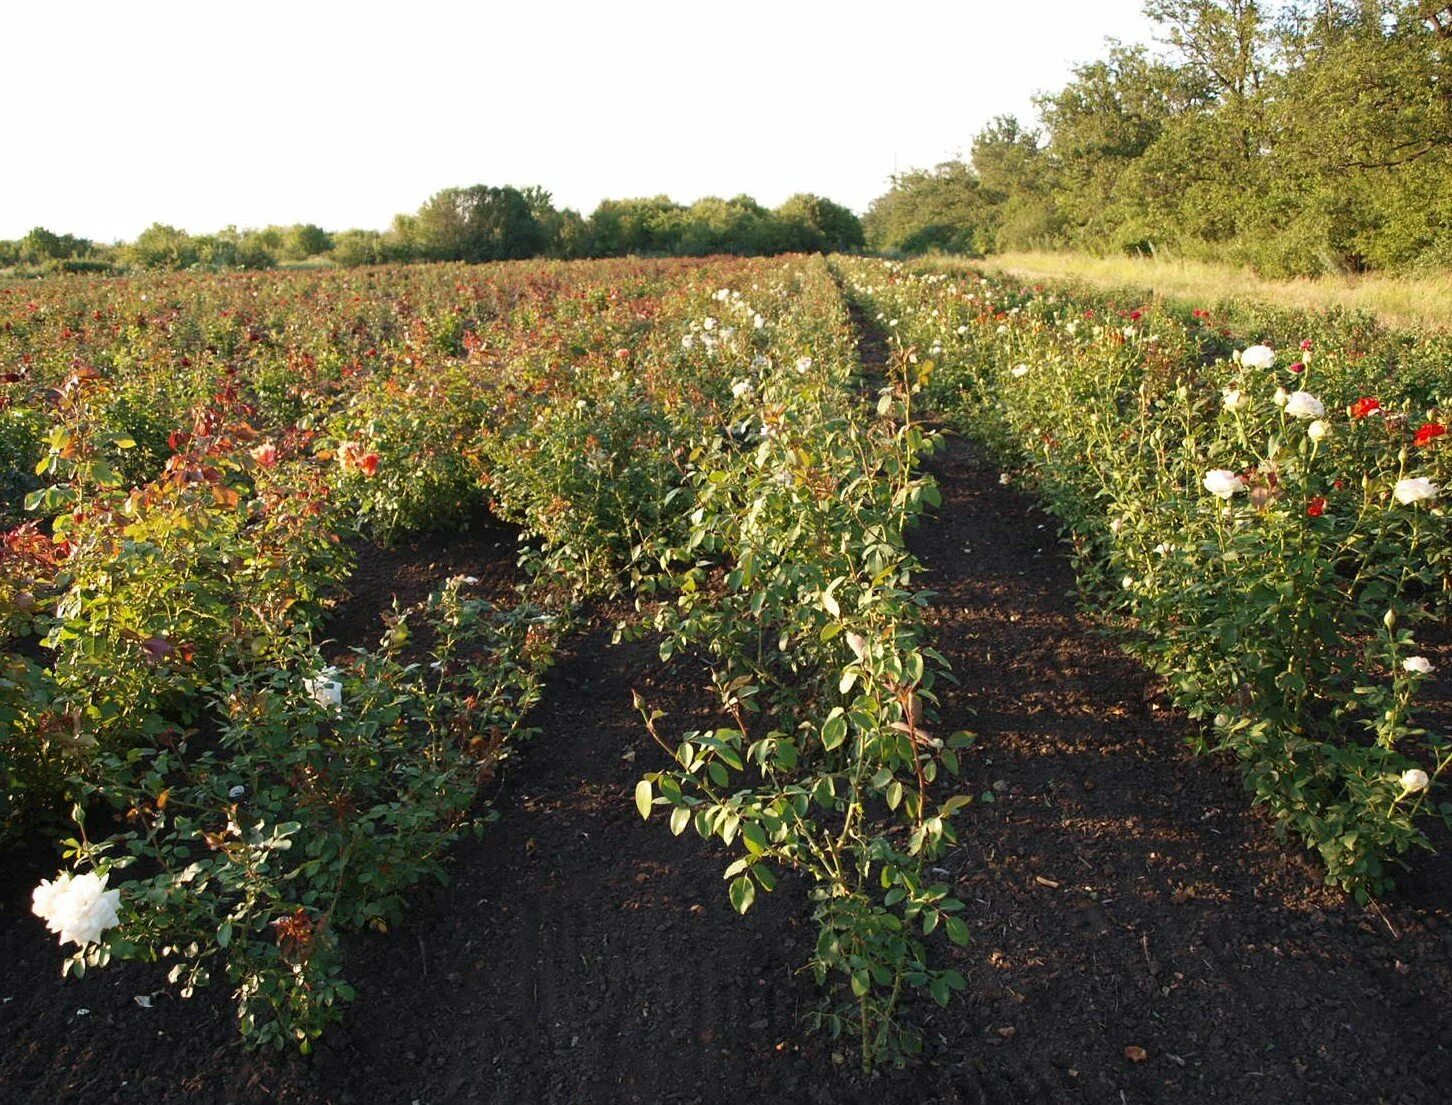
{"points": [[1401, 301]]}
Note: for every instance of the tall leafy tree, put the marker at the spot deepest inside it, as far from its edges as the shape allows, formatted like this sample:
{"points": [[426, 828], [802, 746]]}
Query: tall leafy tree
{"points": [[476, 224]]}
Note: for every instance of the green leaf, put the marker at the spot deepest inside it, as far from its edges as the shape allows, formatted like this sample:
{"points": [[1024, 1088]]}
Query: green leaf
{"points": [[753, 837], [834, 731], [743, 893], [829, 603], [954, 804], [643, 798], [680, 818], [957, 930]]}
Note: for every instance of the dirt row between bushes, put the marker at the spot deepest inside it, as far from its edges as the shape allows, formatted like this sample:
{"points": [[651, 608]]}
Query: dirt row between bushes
{"points": [[1140, 936]]}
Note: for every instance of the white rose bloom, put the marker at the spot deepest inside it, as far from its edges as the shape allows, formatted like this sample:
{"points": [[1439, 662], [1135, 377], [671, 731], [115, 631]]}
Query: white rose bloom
{"points": [[741, 389], [325, 690], [1223, 483], [1232, 399], [1318, 430], [1302, 404], [1414, 779], [1418, 664], [1414, 490], [1258, 356], [804, 364], [76, 907], [1280, 397], [1019, 370]]}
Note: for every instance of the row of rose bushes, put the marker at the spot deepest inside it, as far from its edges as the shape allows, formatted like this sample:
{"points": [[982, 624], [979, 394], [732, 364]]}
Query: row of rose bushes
{"points": [[162, 678], [726, 474], [301, 347], [688, 434], [1253, 497], [791, 583]]}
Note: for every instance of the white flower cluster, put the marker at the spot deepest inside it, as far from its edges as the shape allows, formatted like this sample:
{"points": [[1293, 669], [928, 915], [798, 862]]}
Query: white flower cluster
{"points": [[76, 907], [1257, 356], [325, 689], [1223, 483], [1414, 490], [1414, 779], [708, 334], [1302, 404]]}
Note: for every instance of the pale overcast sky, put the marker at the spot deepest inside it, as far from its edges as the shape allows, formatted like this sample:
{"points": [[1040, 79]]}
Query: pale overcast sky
{"points": [[204, 113]]}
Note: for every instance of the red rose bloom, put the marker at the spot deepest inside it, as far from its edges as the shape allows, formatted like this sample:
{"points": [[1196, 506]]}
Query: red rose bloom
{"points": [[1316, 507], [1364, 406], [1428, 433], [369, 465]]}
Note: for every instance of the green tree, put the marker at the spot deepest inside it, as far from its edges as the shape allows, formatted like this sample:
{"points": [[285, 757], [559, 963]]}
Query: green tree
{"points": [[739, 225], [636, 226], [813, 224], [1012, 174], [359, 247], [1099, 128], [302, 241], [931, 209], [43, 245], [476, 224], [163, 247]]}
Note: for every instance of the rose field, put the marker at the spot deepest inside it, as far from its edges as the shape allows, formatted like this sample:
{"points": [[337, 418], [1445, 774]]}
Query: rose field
{"points": [[796, 679]]}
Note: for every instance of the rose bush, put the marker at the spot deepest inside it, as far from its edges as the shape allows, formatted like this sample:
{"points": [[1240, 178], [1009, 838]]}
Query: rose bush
{"points": [[1247, 523]]}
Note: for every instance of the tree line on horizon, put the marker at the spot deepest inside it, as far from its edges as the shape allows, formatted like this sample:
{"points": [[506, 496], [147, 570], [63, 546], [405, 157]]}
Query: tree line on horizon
{"points": [[1295, 136], [1300, 137], [475, 224]]}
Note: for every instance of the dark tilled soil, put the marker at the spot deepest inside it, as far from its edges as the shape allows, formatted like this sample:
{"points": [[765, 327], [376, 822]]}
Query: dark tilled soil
{"points": [[409, 572], [1122, 895], [1121, 892]]}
